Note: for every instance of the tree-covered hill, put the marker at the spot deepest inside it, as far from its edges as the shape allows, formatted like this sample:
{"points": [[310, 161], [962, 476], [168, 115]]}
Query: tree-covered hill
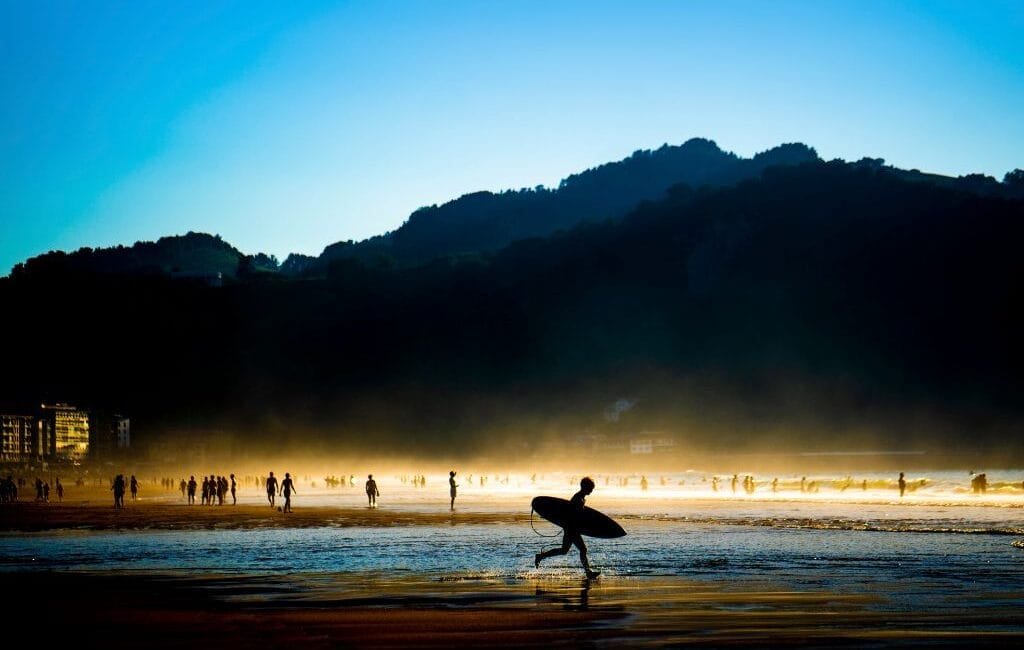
{"points": [[189, 255], [487, 221], [817, 305]]}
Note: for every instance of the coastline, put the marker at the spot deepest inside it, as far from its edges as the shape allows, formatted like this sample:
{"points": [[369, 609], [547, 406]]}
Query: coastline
{"points": [[395, 607]]}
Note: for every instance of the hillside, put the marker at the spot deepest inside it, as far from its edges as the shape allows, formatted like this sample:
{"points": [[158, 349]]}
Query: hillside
{"points": [[485, 221], [817, 306], [195, 255]]}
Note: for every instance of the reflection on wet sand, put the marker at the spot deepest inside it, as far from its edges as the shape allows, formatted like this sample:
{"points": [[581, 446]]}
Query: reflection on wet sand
{"points": [[331, 610]]}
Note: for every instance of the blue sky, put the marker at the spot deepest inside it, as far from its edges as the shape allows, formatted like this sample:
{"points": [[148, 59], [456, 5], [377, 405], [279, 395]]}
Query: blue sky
{"points": [[287, 126]]}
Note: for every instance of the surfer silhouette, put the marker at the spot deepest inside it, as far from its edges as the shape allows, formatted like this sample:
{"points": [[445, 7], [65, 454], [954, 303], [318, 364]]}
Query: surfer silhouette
{"points": [[571, 535]]}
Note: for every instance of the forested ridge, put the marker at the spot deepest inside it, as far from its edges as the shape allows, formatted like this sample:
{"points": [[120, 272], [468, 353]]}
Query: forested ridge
{"points": [[807, 296]]}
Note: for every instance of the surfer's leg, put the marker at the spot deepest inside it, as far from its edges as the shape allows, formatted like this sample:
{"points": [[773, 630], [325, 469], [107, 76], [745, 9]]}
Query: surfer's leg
{"points": [[581, 545], [560, 550]]}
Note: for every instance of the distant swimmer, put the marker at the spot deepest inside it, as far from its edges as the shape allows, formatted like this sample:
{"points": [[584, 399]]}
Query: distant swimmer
{"points": [[903, 484], [371, 491], [287, 487], [271, 489], [452, 487], [571, 535]]}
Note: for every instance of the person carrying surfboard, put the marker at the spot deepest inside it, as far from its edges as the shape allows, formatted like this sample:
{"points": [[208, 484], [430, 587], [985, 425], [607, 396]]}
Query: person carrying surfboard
{"points": [[571, 534]]}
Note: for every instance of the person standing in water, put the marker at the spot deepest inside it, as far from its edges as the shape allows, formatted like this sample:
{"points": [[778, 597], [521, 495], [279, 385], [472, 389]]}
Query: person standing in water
{"points": [[903, 484], [287, 487], [571, 535], [371, 491], [452, 485]]}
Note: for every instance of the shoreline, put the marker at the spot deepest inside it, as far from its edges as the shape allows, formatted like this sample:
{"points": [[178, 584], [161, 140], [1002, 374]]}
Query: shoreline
{"points": [[270, 604], [159, 610]]}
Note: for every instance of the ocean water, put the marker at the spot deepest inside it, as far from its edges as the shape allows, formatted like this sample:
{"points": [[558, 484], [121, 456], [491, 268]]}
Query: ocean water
{"points": [[941, 547]]}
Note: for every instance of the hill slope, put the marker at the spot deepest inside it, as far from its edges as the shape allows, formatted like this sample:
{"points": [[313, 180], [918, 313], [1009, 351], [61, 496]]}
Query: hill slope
{"points": [[819, 306], [485, 221]]}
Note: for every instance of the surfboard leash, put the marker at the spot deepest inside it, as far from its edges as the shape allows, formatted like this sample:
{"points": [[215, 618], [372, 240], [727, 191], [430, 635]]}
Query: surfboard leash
{"points": [[537, 531]]}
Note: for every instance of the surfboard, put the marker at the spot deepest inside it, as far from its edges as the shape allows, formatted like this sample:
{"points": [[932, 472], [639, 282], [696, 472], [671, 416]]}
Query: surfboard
{"points": [[592, 523]]}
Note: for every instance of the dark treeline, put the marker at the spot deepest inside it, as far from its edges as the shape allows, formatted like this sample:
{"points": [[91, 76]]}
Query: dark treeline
{"points": [[817, 300], [487, 221]]}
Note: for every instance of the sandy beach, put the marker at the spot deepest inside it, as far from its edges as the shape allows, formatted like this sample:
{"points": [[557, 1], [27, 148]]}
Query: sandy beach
{"points": [[388, 609], [156, 611]]}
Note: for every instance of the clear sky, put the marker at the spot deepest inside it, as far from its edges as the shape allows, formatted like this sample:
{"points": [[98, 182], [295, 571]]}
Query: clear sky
{"points": [[287, 126]]}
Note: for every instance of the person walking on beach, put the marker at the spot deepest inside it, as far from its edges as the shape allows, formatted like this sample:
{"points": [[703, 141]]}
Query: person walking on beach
{"points": [[287, 487], [192, 490], [271, 488], [371, 491], [452, 487], [903, 484], [234, 501], [571, 535], [118, 488], [60, 491], [134, 487]]}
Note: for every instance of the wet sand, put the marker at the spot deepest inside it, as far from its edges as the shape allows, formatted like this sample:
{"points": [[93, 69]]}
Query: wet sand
{"points": [[152, 609], [29, 516]]}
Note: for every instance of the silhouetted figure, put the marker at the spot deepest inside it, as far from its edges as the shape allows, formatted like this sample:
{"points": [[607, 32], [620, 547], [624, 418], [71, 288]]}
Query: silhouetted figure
{"points": [[192, 490], [234, 501], [46, 492], [775, 485], [864, 485], [643, 483], [287, 487], [452, 487], [271, 488], [118, 487], [371, 491], [60, 491], [183, 486], [714, 484], [903, 484], [803, 484], [134, 487], [571, 535]]}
